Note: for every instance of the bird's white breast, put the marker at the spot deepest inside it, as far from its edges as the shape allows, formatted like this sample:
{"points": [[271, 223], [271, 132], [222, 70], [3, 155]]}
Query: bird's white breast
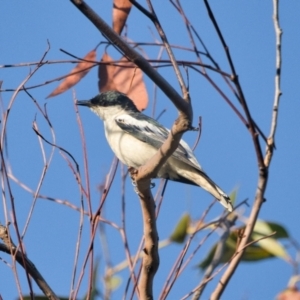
{"points": [[130, 151]]}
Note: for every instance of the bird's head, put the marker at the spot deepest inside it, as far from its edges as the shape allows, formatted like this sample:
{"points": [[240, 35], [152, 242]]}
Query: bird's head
{"points": [[109, 103]]}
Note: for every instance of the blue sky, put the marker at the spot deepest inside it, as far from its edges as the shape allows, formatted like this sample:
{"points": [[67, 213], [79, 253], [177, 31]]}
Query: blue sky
{"points": [[225, 150]]}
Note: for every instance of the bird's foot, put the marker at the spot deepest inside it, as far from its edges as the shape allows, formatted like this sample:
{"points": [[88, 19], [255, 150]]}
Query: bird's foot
{"points": [[152, 185]]}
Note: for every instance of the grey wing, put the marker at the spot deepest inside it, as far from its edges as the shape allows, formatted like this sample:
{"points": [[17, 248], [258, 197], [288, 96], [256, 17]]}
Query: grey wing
{"points": [[149, 131]]}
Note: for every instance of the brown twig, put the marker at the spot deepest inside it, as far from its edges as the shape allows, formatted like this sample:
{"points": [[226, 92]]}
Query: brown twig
{"points": [[23, 260], [227, 224], [5, 178], [179, 266], [241, 97], [153, 17], [278, 93], [221, 268], [95, 220], [263, 174], [123, 232]]}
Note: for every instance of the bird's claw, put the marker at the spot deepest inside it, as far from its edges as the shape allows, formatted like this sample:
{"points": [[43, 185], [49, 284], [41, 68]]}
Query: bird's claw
{"points": [[152, 185], [191, 128]]}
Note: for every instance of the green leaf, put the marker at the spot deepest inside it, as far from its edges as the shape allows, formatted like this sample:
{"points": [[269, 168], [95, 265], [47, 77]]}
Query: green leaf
{"points": [[252, 253], [113, 282], [281, 232], [227, 254], [270, 244], [265, 228], [233, 195], [256, 253], [181, 229]]}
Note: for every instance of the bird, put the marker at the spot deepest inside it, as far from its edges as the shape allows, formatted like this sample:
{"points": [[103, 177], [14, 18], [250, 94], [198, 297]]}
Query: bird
{"points": [[135, 138]]}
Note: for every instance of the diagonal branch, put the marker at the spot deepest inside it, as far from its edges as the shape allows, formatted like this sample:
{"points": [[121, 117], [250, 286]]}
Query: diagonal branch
{"points": [[241, 97], [263, 176], [278, 93], [153, 17], [134, 56], [23, 260]]}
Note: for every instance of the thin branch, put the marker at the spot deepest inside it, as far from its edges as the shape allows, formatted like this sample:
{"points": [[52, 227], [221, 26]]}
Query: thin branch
{"points": [[227, 224], [221, 268], [179, 266], [95, 220], [259, 196], [5, 180], [23, 260], [240, 91], [153, 17], [151, 259], [278, 93]]}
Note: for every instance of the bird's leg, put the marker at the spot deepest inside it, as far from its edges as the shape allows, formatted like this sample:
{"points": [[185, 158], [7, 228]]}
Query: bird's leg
{"points": [[133, 172]]}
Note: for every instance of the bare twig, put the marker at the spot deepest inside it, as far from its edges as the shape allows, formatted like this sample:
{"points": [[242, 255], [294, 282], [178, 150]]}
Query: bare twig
{"points": [[221, 268], [241, 97], [5, 180], [178, 265], [278, 93], [95, 220], [217, 256], [153, 17], [262, 180], [23, 260], [123, 232]]}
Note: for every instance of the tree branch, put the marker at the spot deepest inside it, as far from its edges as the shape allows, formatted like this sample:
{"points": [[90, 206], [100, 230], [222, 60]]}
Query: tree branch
{"points": [[263, 174], [241, 97], [278, 93], [9, 248], [155, 20], [143, 175], [134, 56], [217, 256]]}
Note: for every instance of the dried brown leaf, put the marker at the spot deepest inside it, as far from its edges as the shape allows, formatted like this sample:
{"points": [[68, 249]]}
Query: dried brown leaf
{"points": [[128, 78], [289, 294], [125, 78], [106, 74], [76, 74], [121, 10]]}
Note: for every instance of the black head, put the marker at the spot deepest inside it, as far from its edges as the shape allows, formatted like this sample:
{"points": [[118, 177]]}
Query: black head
{"points": [[110, 98]]}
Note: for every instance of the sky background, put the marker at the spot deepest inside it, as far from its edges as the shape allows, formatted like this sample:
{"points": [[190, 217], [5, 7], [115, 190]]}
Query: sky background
{"points": [[225, 150]]}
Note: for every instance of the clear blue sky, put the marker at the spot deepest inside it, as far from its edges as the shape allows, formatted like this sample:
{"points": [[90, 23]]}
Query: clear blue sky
{"points": [[225, 151]]}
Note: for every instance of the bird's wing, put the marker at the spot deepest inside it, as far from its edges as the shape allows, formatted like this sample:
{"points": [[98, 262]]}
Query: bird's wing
{"points": [[149, 131]]}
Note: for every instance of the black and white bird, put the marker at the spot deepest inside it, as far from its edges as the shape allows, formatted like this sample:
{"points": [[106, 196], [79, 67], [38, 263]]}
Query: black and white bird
{"points": [[135, 138]]}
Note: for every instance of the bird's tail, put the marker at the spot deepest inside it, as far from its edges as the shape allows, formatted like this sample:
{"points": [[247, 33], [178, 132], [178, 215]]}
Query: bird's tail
{"points": [[206, 183]]}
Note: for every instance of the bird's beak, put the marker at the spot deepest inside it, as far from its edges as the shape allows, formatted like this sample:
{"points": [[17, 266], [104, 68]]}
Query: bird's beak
{"points": [[84, 103]]}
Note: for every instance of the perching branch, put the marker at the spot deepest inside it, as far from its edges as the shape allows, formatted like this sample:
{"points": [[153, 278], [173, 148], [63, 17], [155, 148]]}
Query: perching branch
{"points": [[143, 175], [135, 57]]}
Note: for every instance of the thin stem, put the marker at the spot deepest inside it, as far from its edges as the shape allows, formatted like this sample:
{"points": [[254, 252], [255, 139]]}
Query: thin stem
{"points": [[278, 93], [241, 97]]}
